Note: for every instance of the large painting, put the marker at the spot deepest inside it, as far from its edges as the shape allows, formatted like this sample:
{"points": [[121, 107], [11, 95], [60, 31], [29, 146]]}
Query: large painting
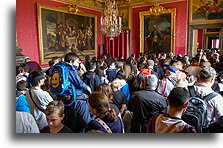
{"points": [[61, 32], [206, 11], [157, 30]]}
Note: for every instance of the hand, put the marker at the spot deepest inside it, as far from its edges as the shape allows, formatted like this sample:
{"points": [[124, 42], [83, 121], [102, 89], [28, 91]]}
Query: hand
{"points": [[89, 89]]}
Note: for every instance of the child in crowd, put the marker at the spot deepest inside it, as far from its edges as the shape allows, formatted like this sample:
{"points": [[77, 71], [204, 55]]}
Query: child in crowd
{"points": [[21, 103], [54, 115]]}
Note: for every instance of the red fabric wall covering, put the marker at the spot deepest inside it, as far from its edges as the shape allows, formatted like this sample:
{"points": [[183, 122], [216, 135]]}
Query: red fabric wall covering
{"points": [[27, 26], [200, 38], [180, 27], [119, 46]]}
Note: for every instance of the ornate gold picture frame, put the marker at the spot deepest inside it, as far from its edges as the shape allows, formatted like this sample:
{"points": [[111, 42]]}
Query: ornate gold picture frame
{"points": [[124, 14], [205, 11], [65, 29], [157, 29]]}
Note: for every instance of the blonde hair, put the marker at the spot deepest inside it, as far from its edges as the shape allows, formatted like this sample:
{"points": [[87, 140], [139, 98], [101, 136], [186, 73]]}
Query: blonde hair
{"points": [[55, 107], [115, 85], [181, 83]]}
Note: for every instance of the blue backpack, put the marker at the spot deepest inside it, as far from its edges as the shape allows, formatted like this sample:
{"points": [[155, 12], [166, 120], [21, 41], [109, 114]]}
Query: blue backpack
{"points": [[59, 79]]}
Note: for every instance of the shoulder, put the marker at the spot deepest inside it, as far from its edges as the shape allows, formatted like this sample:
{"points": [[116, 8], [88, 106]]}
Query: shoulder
{"points": [[46, 129], [188, 129], [65, 129]]}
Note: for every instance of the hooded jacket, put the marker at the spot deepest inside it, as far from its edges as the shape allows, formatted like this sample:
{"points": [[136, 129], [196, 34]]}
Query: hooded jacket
{"points": [[165, 124], [91, 79]]}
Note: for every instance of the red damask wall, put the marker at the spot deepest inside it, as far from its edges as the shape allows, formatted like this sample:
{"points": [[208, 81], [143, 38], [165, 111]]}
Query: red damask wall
{"points": [[180, 26], [27, 26]]}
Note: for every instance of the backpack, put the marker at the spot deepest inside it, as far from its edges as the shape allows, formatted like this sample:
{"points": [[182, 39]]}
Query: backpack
{"points": [[196, 112], [59, 79]]}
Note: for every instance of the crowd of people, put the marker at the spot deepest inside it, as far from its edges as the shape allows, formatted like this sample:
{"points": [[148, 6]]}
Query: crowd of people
{"points": [[112, 95]]}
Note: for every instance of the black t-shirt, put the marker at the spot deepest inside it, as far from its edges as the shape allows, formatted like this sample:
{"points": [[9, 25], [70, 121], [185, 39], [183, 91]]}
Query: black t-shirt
{"points": [[65, 129], [119, 98]]}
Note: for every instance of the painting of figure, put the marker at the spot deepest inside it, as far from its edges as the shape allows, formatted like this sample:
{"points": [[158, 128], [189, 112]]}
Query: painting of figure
{"points": [[157, 33], [61, 32]]}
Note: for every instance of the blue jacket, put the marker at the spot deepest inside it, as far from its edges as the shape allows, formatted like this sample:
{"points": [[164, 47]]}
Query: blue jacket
{"points": [[21, 103], [77, 116], [125, 90], [116, 126]]}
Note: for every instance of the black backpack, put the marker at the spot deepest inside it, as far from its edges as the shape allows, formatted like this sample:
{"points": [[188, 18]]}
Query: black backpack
{"points": [[196, 112]]}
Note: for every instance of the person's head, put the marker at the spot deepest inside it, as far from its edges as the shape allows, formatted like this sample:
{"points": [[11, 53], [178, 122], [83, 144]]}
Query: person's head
{"points": [[121, 74], [142, 60], [220, 77], [27, 59], [24, 67], [36, 78], [181, 83], [150, 63], [178, 98], [55, 60], [111, 64], [207, 75], [54, 114], [186, 58], [171, 70], [21, 85], [106, 89], [120, 65], [205, 64], [50, 63], [141, 54], [101, 72], [178, 65], [99, 105], [115, 85], [72, 58], [151, 81], [91, 66], [140, 82], [191, 79], [194, 61]]}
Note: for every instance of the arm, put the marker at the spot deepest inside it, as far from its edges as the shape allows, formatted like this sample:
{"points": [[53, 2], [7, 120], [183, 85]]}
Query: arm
{"points": [[76, 80]]}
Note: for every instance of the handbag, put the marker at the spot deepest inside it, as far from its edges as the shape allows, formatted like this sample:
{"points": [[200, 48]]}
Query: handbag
{"points": [[35, 102]]}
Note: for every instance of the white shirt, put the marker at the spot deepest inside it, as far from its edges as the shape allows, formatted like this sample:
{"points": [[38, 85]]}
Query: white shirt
{"points": [[214, 106], [42, 99]]}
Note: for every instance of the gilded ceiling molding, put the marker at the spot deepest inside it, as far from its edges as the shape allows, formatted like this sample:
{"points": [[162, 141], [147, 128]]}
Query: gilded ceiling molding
{"points": [[98, 4], [92, 4]]}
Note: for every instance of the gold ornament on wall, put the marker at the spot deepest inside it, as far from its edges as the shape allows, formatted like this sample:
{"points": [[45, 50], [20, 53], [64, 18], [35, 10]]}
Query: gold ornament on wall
{"points": [[157, 10]]}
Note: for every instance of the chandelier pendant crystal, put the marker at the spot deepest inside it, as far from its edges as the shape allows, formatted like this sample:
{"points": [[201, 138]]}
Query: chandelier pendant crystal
{"points": [[111, 24]]}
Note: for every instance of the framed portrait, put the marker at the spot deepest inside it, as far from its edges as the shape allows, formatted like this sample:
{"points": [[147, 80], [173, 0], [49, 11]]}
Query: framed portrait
{"points": [[124, 14], [61, 32], [157, 30], [205, 11]]}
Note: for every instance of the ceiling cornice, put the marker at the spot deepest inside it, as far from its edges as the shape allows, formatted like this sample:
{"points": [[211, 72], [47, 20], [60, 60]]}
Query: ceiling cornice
{"points": [[98, 4]]}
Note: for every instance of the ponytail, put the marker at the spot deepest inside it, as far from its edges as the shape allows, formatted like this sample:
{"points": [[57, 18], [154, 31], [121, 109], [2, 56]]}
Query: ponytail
{"points": [[111, 115]]}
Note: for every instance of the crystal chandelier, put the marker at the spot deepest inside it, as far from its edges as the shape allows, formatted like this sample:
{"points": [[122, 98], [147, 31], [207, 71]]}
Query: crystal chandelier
{"points": [[110, 22]]}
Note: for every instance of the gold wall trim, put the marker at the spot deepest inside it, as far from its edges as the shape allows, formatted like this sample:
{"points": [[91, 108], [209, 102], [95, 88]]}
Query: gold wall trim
{"points": [[150, 3], [88, 4]]}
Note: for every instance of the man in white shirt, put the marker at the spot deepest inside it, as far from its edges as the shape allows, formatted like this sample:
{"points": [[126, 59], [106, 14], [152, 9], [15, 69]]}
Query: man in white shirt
{"points": [[214, 105], [37, 98]]}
